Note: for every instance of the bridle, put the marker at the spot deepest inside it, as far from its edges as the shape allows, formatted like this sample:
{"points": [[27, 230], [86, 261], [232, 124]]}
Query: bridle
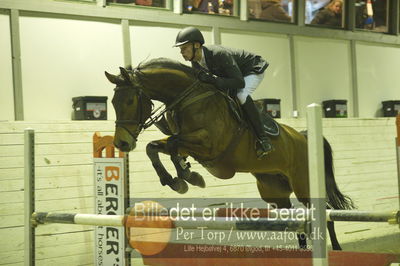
{"points": [[155, 115], [141, 119]]}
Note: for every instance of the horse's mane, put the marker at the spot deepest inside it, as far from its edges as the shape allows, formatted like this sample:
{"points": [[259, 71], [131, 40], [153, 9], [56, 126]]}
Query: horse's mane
{"points": [[163, 62]]}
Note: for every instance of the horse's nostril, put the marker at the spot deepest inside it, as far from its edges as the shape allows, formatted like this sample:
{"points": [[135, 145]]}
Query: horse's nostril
{"points": [[123, 145], [120, 144], [117, 144]]}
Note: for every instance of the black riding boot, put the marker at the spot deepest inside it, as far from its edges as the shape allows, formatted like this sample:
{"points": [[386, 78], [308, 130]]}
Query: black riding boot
{"points": [[253, 115]]}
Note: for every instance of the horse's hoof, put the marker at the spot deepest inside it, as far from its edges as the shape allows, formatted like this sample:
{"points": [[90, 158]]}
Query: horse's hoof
{"points": [[196, 179], [179, 185]]}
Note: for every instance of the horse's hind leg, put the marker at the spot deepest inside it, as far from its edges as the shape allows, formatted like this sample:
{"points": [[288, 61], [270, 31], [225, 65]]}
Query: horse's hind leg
{"points": [[276, 189], [332, 234]]}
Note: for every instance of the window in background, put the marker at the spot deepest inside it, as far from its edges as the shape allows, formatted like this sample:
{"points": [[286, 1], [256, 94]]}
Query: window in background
{"points": [[83, 0], [325, 13], [219, 7], [154, 3], [271, 10], [372, 15]]}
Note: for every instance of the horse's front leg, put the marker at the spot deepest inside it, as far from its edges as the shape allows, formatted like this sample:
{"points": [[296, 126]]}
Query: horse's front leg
{"points": [[178, 184], [182, 167], [152, 150]]}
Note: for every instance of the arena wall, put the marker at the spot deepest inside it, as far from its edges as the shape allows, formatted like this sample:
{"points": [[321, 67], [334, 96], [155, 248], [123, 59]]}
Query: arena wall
{"points": [[71, 53]]}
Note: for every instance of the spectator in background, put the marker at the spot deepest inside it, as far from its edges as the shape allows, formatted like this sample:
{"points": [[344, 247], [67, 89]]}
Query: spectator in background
{"points": [[361, 13], [273, 10], [371, 15], [205, 6], [331, 15], [227, 7], [380, 16]]}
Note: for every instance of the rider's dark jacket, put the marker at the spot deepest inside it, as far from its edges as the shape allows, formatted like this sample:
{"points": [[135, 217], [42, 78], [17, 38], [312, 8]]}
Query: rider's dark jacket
{"points": [[231, 65]]}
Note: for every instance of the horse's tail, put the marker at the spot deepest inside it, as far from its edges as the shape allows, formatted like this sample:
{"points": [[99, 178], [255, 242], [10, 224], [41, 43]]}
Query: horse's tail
{"points": [[335, 198]]}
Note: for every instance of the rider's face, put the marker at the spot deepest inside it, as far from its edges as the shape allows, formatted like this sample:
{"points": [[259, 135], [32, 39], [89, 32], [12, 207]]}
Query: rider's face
{"points": [[187, 51]]}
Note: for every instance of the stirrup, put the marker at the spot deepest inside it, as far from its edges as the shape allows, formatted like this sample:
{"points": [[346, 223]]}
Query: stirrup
{"points": [[264, 147]]}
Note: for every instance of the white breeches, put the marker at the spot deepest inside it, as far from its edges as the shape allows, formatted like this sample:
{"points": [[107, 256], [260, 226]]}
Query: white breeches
{"points": [[251, 83]]}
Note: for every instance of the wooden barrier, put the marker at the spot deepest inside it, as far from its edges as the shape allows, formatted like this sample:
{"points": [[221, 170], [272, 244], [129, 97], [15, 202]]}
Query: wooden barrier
{"points": [[177, 254], [398, 151], [398, 130], [29, 196], [352, 218]]}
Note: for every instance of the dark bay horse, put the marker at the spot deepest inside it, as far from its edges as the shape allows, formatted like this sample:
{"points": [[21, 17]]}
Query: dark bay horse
{"points": [[201, 125]]}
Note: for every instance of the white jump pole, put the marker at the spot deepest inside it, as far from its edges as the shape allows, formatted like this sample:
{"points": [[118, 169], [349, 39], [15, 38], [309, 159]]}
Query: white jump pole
{"points": [[29, 196], [216, 223], [278, 222], [317, 183]]}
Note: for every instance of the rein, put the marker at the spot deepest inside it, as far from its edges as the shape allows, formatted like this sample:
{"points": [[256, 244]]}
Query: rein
{"points": [[154, 116]]}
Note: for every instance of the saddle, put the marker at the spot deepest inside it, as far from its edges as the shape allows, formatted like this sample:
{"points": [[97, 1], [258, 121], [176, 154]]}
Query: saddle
{"points": [[270, 125]]}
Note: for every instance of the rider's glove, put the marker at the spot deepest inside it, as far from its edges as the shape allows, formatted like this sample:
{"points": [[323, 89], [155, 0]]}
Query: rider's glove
{"points": [[207, 77]]}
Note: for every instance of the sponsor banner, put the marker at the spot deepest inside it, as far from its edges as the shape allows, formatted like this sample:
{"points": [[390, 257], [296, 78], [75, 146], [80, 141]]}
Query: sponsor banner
{"points": [[109, 200], [221, 227]]}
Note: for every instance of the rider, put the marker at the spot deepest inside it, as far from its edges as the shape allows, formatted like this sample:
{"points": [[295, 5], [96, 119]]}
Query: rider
{"points": [[228, 68]]}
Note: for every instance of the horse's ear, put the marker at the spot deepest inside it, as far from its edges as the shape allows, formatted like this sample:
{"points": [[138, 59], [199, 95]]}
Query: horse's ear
{"points": [[125, 74], [113, 78]]}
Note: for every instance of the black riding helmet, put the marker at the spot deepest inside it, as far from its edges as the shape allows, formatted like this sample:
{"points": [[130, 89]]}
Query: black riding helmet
{"points": [[189, 34]]}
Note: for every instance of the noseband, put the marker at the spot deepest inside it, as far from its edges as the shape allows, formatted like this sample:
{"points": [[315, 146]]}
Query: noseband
{"points": [[140, 120]]}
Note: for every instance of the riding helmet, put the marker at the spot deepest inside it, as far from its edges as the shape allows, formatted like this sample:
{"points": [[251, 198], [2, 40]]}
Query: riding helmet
{"points": [[189, 34]]}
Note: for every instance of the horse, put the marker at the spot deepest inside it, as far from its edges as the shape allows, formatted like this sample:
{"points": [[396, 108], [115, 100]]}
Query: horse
{"points": [[199, 122]]}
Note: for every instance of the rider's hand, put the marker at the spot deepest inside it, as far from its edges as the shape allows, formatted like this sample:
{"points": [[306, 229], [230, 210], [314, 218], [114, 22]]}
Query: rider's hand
{"points": [[207, 77]]}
